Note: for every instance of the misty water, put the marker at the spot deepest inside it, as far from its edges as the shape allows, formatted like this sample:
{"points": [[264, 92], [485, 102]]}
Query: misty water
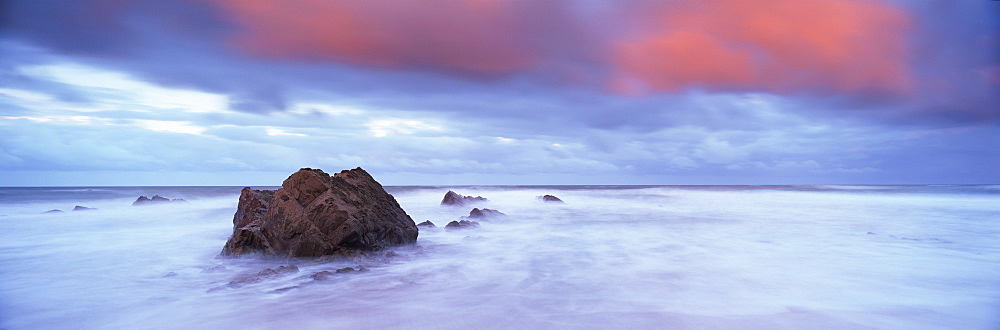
{"points": [[611, 257]]}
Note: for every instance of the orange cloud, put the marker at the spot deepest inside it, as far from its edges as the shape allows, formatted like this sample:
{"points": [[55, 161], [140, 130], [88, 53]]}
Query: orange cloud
{"points": [[473, 37], [774, 45]]}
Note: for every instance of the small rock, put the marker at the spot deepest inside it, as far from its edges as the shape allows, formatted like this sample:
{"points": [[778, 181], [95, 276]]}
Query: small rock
{"points": [[484, 214], [278, 271], [54, 211], [870, 233], [82, 208], [156, 199], [322, 276], [550, 199], [462, 224], [453, 198], [170, 274], [427, 223]]}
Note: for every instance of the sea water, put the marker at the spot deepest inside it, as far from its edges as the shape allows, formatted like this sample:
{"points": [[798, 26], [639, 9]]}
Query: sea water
{"points": [[913, 257]]}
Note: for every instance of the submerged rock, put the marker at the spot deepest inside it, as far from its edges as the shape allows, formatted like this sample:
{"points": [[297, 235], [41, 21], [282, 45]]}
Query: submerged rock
{"points": [[315, 214], [550, 199], [268, 272], [82, 208], [484, 214], [453, 198], [427, 223], [352, 270], [156, 199], [214, 269], [54, 211], [262, 275], [323, 275], [462, 224]]}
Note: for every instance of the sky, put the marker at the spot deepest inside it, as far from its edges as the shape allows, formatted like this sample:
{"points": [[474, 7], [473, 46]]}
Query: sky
{"points": [[448, 92]]}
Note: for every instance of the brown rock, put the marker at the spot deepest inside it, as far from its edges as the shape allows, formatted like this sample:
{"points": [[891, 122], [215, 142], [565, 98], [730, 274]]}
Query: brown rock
{"points": [[315, 214], [453, 198]]}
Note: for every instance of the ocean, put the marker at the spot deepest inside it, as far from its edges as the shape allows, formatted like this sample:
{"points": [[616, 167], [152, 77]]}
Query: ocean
{"points": [[705, 257]]}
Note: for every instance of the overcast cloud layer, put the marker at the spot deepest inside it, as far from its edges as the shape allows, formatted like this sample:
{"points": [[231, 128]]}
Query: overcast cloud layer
{"points": [[244, 92]]}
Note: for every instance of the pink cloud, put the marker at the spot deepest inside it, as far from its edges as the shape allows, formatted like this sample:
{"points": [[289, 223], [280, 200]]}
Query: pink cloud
{"points": [[775, 45], [477, 36], [780, 46]]}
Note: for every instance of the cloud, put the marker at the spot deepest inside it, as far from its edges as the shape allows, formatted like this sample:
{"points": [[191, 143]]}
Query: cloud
{"points": [[469, 37], [781, 46], [687, 89]]}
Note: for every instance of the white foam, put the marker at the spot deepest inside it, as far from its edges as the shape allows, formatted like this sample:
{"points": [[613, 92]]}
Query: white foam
{"points": [[607, 258]]}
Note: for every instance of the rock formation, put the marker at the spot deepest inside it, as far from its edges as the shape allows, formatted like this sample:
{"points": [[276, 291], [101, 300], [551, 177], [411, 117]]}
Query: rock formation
{"points": [[453, 198], [156, 199], [462, 224], [550, 199], [315, 214], [484, 214], [427, 223], [54, 211], [83, 208]]}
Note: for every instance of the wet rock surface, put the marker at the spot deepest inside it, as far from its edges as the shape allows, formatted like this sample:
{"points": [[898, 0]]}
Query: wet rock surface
{"points": [[315, 214], [452, 198]]}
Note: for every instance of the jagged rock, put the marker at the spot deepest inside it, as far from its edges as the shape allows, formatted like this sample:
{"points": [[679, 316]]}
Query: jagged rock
{"points": [[462, 224], [315, 214], [550, 199], [156, 199], [83, 208], [54, 211], [453, 198], [181, 200], [484, 214], [427, 223]]}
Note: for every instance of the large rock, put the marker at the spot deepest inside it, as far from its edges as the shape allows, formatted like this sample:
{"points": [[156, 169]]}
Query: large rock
{"points": [[315, 214], [453, 198]]}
